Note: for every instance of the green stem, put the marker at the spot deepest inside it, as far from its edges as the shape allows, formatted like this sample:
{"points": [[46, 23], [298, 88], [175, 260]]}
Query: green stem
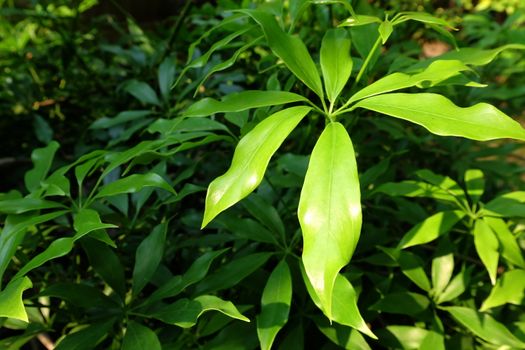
{"points": [[367, 61]]}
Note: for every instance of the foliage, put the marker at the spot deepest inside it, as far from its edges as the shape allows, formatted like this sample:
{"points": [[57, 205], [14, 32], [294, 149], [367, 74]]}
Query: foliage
{"points": [[331, 225]]}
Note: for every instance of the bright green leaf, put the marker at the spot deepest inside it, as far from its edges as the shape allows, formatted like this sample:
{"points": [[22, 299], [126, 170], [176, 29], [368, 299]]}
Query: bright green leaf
{"points": [[487, 247], [510, 288], [484, 326], [11, 304], [509, 248], [360, 20], [330, 211], [422, 17], [509, 204], [475, 183], [442, 117], [431, 228], [336, 63], [442, 266], [275, 305], [385, 30], [456, 287], [250, 159]]}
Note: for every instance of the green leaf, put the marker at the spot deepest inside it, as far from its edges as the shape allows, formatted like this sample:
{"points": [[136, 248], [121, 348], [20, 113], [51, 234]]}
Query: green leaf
{"points": [[86, 338], [290, 49], [345, 337], [404, 303], [360, 20], [435, 73], [23, 205], [484, 326], [455, 288], [509, 248], [83, 296], [431, 228], [385, 30], [232, 273], [442, 117], [196, 272], [411, 266], [148, 257], [139, 337], [185, 313], [106, 263], [510, 288], [330, 211], [422, 17], [133, 184], [344, 304], [475, 182], [241, 101], [14, 231], [487, 247], [88, 220], [402, 337], [442, 266], [275, 305], [509, 204], [11, 304], [472, 56], [42, 159], [166, 76], [412, 188], [250, 160], [142, 92], [121, 118], [336, 63]]}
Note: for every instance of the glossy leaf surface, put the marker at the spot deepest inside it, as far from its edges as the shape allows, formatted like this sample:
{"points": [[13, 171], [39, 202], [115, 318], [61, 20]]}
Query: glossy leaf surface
{"points": [[250, 160], [440, 116], [329, 211]]}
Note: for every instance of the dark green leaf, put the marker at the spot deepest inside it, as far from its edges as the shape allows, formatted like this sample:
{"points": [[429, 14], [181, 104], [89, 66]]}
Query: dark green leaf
{"points": [[133, 184], [42, 159], [139, 337]]}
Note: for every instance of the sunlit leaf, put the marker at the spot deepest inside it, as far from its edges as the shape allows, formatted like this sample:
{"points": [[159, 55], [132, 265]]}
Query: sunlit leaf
{"points": [[11, 304], [510, 288], [442, 117], [250, 160], [487, 247], [336, 63]]}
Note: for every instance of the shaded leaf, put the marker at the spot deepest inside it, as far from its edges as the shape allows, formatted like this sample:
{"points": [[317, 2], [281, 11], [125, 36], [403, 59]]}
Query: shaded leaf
{"points": [[142, 92], [42, 159], [475, 182], [139, 337], [184, 312], [241, 101], [148, 257], [275, 305], [133, 184]]}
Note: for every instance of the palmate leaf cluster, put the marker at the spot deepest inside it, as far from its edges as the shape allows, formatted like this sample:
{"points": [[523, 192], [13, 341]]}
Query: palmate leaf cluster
{"points": [[298, 246]]}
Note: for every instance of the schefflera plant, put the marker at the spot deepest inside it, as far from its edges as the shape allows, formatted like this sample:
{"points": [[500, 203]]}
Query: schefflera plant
{"points": [[329, 206]]}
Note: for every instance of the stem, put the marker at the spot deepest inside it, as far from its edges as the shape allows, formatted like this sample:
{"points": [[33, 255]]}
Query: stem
{"points": [[367, 61]]}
